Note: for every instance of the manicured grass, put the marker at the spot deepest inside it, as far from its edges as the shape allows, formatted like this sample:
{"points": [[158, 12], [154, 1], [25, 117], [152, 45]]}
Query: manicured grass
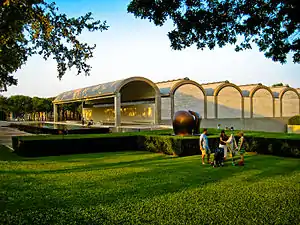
{"points": [[147, 188]]}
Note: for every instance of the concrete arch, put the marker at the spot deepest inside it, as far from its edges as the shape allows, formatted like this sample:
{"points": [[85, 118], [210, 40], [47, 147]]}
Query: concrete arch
{"points": [[118, 92], [221, 87], [133, 79], [252, 93], [254, 90], [281, 94], [180, 84], [183, 82]]}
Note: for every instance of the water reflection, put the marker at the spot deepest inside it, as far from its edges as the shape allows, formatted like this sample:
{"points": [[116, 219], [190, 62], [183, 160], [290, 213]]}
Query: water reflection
{"points": [[56, 126]]}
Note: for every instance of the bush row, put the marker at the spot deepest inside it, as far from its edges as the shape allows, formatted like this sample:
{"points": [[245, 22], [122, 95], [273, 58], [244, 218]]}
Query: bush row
{"points": [[45, 147], [170, 145], [295, 120]]}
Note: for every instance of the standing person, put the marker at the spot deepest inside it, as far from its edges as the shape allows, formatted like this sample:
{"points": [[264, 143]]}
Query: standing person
{"points": [[223, 143], [232, 147], [204, 147], [241, 147]]}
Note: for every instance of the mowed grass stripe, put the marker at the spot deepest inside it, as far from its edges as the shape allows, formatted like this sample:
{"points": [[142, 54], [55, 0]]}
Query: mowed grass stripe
{"points": [[147, 188]]}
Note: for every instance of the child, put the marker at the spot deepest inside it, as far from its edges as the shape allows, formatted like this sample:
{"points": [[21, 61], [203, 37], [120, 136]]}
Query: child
{"points": [[218, 157], [241, 147]]}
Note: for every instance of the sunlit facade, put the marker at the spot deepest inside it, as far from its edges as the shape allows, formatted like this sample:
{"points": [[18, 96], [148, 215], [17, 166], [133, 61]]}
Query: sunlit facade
{"points": [[137, 100]]}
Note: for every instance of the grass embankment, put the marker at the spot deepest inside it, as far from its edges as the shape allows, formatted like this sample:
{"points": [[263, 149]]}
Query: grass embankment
{"points": [[146, 188]]}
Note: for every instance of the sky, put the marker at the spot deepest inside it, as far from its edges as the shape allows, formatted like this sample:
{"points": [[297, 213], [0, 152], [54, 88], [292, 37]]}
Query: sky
{"points": [[135, 47]]}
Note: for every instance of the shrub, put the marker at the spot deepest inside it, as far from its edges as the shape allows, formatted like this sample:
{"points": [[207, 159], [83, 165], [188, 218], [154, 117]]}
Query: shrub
{"points": [[295, 120], [32, 146], [45, 147], [170, 145], [275, 146]]}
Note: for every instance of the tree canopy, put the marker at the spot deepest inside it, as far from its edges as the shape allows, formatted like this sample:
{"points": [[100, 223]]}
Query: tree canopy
{"points": [[21, 105], [273, 25], [29, 27]]}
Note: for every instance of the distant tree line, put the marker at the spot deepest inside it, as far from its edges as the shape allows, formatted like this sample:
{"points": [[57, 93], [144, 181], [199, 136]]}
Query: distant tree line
{"points": [[22, 107], [280, 85]]}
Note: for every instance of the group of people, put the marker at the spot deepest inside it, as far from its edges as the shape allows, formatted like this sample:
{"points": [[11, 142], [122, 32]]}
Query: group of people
{"points": [[226, 145]]}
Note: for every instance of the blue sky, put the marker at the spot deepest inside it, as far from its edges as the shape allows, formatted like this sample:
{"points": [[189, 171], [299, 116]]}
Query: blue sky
{"points": [[135, 47]]}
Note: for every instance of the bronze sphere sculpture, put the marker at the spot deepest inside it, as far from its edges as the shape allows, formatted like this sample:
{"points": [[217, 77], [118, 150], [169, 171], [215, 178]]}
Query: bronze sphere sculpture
{"points": [[186, 123]]}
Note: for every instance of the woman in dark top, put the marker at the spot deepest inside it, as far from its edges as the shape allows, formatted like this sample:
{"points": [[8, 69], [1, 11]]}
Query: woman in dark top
{"points": [[223, 139]]}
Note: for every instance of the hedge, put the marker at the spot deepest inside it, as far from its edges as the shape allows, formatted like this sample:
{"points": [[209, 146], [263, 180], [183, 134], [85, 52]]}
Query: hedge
{"points": [[190, 146], [32, 146], [295, 120], [47, 147]]}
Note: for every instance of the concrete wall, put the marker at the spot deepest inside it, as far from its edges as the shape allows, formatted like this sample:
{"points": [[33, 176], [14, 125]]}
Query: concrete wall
{"points": [[290, 104], [229, 103], [262, 104], [137, 113], [165, 108], [189, 97], [254, 124]]}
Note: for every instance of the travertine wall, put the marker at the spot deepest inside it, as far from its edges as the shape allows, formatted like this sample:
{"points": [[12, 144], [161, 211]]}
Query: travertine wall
{"points": [[262, 104], [210, 107], [165, 108], [253, 124], [290, 104], [189, 97], [229, 103]]}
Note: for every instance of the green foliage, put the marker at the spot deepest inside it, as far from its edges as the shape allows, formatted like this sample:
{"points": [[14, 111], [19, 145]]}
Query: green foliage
{"points": [[41, 105], [272, 25], [162, 144], [36, 27], [65, 145], [3, 103], [278, 85], [19, 105], [145, 188], [295, 120]]}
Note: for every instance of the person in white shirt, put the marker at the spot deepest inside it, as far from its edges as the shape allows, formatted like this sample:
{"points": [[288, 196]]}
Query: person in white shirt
{"points": [[204, 147]]}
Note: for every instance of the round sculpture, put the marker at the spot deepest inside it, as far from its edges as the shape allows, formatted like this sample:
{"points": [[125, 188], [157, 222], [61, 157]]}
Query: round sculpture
{"points": [[186, 123]]}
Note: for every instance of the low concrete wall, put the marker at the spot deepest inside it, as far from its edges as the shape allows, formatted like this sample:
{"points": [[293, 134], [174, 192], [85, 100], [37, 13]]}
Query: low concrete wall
{"points": [[295, 129], [254, 124]]}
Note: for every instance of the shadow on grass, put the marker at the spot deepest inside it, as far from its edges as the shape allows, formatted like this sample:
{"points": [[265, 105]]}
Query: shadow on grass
{"points": [[159, 175], [7, 155]]}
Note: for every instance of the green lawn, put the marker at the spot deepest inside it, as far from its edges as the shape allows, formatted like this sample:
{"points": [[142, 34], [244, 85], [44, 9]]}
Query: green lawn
{"points": [[146, 188]]}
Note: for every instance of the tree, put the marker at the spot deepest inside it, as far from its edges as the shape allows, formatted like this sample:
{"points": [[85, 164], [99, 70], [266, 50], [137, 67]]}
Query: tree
{"points": [[37, 104], [274, 25], [3, 104], [280, 85], [19, 105], [48, 105], [29, 27]]}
